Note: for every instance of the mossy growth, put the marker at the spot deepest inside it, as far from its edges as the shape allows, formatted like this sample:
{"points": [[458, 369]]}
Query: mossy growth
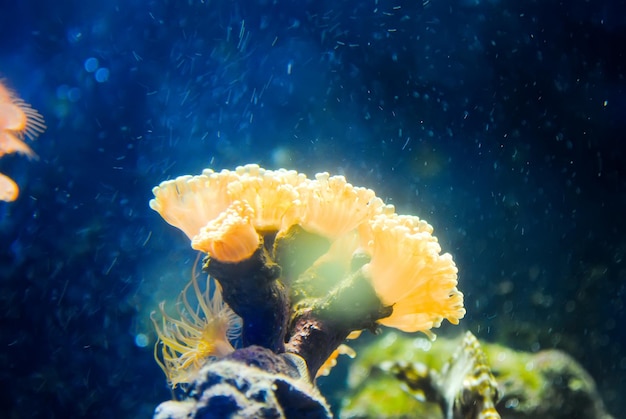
{"points": [[546, 384]]}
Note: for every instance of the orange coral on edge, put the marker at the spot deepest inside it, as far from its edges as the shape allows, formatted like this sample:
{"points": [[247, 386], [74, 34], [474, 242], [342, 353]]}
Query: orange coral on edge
{"points": [[17, 120]]}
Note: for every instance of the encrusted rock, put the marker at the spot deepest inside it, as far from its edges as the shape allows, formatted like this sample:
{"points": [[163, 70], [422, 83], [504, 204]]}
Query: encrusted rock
{"points": [[251, 383]]}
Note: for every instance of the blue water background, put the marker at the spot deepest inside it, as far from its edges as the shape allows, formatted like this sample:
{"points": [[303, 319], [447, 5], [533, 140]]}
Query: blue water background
{"points": [[502, 123]]}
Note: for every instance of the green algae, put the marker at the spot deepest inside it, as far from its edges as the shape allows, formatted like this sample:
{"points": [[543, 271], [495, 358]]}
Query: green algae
{"points": [[547, 384]]}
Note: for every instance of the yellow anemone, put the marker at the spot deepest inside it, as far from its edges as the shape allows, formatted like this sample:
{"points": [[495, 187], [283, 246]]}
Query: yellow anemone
{"points": [[186, 343]]}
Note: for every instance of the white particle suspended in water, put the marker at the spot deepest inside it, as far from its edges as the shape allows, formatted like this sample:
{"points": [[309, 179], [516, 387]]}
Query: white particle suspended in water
{"points": [[102, 75], [141, 340], [91, 64]]}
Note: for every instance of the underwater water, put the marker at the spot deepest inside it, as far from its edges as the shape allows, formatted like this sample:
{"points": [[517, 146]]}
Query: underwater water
{"points": [[502, 123]]}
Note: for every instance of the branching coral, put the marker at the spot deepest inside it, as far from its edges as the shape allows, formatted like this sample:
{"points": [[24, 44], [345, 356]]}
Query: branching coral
{"points": [[305, 262]]}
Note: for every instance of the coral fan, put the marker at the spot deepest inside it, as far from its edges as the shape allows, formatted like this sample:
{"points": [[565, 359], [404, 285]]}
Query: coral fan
{"points": [[17, 120], [305, 262]]}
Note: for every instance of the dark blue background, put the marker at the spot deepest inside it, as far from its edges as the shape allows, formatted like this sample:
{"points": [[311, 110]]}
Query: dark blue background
{"points": [[502, 123]]}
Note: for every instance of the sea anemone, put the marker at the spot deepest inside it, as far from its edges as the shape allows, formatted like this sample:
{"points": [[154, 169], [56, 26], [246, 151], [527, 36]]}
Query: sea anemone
{"points": [[409, 273], [17, 120], [186, 343]]}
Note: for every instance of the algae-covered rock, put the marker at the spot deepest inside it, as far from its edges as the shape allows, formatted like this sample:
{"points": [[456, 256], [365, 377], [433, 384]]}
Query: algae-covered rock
{"points": [[382, 396], [251, 383], [548, 384]]}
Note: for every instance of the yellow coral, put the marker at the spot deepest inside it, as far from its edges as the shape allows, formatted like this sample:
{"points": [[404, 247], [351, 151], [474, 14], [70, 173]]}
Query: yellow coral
{"points": [[328, 206], [271, 193], [409, 273], [230, 237], [332, 207], [190, 202], [224, 213], [185, 344], [194, 203]]}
